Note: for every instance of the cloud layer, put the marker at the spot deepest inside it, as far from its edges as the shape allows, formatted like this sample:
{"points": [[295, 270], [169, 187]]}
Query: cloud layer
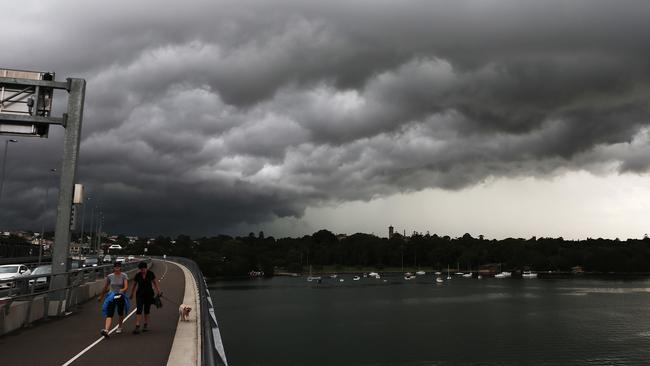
{"points": [[204, 115]]}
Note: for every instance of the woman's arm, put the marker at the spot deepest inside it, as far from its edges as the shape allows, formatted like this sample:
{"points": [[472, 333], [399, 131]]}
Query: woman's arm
{"points": [[135, 286], [154, 282], [101, 295], [126, 285]]}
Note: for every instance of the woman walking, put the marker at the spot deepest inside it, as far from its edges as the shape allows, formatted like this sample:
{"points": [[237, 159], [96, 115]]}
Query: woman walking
{"points": [[144, 283], [118, 283]]}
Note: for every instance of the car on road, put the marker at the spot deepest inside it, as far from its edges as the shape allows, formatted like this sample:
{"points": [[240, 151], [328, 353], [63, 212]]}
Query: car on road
{"points": [[131, 258], [120, 259], [107, 258], [40, 282], [10, 271], [115, 246], [90, 262]]}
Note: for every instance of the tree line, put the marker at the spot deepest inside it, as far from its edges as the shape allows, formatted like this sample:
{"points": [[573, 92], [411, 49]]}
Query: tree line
{"points": [[235, 256]]}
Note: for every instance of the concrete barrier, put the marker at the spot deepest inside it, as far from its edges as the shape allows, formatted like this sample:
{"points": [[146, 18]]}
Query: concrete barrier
{"points": [[13, 314]]}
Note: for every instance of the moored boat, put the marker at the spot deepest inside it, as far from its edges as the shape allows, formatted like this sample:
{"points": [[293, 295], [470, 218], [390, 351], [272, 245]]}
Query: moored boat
{"points": [[529, 274]]}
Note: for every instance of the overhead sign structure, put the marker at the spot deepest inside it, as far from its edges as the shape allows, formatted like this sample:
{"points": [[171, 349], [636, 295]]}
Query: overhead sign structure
{"points": [[25, 110], [21, 99]]}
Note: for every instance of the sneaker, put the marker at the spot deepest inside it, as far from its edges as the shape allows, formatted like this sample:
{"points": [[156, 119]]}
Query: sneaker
{"points": [[104, 332], [136, 330], [144, 329], [119, 330]]}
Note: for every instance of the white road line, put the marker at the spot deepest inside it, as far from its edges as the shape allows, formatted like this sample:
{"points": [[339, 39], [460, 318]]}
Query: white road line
{"points": [[163, 276], [96, 342], [111, 331]]}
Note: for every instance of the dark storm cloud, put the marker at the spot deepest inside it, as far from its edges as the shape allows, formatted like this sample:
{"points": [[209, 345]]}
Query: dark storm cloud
{"points": [[204, 115]]}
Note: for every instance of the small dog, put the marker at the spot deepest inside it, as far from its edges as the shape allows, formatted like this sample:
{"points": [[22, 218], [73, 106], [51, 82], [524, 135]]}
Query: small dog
{"points": [[184, 312]]}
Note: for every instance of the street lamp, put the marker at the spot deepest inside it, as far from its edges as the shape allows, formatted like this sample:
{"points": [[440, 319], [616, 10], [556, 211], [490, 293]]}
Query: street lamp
{"points": [[40, 249], [83, 224], [4, 163]]}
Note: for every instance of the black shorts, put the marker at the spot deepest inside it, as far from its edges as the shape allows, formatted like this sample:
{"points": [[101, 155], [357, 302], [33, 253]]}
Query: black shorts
{"points": [[115, 303], [143, 303]]}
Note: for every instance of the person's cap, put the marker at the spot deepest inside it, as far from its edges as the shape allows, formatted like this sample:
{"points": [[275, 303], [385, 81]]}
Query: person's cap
{"points": [[117, 264], [142, 265]]}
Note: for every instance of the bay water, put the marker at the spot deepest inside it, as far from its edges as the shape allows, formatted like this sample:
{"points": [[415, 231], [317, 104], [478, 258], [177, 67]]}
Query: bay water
{"points": [[463, 321]]}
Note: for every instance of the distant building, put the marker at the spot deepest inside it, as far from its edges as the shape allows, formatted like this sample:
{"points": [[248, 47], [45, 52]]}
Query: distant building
{"points": [[391, 231]]}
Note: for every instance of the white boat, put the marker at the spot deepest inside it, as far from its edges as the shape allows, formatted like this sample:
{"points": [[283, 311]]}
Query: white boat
{"points": [[356, 278], [313, 278], [438, 273], [341, 280], [529, 274], [503, 275], [408, 276], [467, 275], [420, 273], [374, 275], [333, 276], [459, 273], [479, 277], [439, 280]]}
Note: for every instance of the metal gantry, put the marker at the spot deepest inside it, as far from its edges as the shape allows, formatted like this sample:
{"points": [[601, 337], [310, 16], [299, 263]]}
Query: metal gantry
{"points": [[25, 110]]}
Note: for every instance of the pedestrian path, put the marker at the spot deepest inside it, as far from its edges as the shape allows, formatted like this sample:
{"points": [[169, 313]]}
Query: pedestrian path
{"points": [[75, 339]]}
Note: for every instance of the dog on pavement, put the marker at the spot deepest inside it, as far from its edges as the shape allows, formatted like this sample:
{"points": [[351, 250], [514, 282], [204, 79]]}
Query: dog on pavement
{"points": [[184, 312]]}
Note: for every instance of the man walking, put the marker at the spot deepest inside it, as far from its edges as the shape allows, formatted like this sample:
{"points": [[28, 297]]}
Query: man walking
{"points": [[144, 283], [118, 283]]}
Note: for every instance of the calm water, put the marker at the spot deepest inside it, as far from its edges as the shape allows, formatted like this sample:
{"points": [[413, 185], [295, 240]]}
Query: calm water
{"points": [[288, 321]]}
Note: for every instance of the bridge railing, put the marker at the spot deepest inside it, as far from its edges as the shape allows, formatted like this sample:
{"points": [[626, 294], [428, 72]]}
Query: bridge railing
{"points": [[24, 300], [40, 283], [212, 352]]}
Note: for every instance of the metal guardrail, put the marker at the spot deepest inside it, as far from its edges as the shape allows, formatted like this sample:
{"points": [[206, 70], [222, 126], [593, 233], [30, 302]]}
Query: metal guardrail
{"points": [[212, 350]]}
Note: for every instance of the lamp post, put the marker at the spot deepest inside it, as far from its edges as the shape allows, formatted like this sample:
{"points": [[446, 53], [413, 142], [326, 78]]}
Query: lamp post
{"points": [[40, 247], [4, 165], [91, 229], [83, 217], [100, 225]]}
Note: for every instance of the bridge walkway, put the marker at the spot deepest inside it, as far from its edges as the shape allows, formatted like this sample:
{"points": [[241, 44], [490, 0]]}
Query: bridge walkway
{"points": [[60, 340]]}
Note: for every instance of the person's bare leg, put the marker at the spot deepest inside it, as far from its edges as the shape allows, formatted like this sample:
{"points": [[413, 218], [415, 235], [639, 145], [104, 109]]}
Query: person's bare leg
{"points": [[146, 323], [107, 323]]}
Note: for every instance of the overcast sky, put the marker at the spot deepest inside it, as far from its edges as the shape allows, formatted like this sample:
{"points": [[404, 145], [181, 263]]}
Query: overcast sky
{"points": [[494, 117]]}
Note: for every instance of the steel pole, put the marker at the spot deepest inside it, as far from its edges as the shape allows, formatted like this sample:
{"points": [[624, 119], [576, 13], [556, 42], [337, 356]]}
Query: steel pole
{"points": [[40, 249], [4, 166], [72, 138]]}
